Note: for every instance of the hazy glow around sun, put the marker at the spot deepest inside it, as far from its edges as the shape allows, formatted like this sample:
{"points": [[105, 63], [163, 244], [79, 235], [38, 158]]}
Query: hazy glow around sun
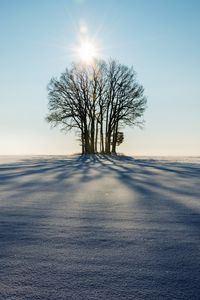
{"points": [[87, 51]]}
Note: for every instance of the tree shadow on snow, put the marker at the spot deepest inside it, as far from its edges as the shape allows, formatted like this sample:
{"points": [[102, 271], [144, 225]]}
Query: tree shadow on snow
{"points": [[149, 248]]}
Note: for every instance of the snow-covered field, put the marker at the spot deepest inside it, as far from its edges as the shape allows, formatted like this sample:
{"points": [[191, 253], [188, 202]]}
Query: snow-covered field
{"points": [[99, 228]]}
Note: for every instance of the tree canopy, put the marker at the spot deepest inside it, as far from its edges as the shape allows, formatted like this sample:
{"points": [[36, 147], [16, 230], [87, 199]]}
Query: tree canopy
{"points": [[98, 100]]}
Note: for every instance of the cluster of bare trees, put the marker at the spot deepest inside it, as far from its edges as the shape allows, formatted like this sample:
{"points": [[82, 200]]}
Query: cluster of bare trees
{"points": [[97, 99]]}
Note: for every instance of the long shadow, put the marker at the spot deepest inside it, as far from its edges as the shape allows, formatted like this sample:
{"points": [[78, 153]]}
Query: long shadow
{"points": [[172, 225], [145, 167], [51, 251], [80, 168]]}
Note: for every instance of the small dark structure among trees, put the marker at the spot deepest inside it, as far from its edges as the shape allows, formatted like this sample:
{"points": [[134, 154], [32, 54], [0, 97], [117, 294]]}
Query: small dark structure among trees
{"points": [[97, 99]]}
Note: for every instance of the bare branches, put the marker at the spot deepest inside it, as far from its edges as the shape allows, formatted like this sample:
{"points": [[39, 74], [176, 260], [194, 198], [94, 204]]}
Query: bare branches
{"points": [[98, 99]]}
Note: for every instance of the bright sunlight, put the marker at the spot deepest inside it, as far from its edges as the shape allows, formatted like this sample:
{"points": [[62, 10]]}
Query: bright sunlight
{"points": [[87, 51]]}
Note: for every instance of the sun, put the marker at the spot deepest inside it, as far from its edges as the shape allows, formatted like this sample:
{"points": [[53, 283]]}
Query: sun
{"points": [[87, 51]]}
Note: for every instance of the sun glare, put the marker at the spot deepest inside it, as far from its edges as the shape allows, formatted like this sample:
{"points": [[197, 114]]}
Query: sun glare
{"points": [[87, 51]]}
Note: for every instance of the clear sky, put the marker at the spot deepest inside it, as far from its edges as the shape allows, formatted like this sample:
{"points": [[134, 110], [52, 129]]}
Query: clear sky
{"points": [[160, 38]]}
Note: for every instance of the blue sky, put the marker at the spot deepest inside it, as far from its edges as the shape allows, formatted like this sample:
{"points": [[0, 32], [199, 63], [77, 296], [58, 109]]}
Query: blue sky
{"points": [[159, 38]]}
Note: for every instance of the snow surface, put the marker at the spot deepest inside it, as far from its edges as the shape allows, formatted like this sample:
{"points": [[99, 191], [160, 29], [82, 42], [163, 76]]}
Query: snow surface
{"points": [[98, 227]]}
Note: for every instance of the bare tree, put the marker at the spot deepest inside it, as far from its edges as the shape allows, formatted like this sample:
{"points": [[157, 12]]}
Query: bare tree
{"points": [[97, 100]]}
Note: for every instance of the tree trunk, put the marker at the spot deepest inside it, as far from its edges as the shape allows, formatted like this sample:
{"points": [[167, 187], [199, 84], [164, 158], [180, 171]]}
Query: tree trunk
{"points": [[108, 141], [96, 136], [114, 141], [82, 142], [86, 139], [101, 132], [92, 135]]}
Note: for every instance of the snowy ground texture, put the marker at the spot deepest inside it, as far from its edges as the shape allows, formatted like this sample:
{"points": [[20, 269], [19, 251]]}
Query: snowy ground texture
{"points": [[99, 228]]}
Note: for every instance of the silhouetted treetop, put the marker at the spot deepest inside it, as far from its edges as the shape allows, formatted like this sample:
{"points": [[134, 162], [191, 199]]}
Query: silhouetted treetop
{"points": [[97, 99]]}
